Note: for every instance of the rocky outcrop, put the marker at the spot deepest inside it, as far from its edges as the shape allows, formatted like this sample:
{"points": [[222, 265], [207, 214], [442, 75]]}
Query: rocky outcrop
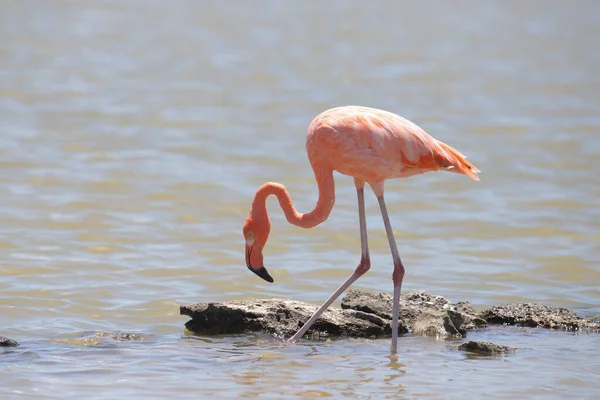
{"points": [[363, 314], [421, 313], [538, 315], [121, 336], [485, 348], [281, 318], [6, 342]]}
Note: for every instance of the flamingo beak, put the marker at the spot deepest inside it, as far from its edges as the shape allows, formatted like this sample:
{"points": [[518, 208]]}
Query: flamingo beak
{"points": [[254, 256], [262, 272]]}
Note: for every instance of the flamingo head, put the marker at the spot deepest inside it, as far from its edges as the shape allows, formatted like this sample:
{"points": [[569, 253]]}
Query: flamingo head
{"points": [[256, 232]]}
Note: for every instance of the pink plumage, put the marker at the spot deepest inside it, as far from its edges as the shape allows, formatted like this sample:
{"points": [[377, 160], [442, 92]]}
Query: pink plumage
{"points": [[374, 145]]}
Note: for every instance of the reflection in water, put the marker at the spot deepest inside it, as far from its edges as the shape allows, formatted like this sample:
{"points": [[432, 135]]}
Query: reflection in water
{"points": [[393, 380]]}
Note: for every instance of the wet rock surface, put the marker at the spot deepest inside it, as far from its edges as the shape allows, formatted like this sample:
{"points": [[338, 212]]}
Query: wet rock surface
{"points": [[538, 315], [6, 342], [485, 348], [362, 314], [99, 339], [121, 336], [281, 318], [421, 313], [365, 314]]}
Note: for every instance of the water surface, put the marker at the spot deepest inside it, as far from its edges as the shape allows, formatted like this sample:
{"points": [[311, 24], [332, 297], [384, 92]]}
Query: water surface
{"points": [[133, 135]]}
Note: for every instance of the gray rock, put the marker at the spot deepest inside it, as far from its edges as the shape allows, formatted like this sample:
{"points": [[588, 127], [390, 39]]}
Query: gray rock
{"points": [[6, 342], [420, 312], [281, 318], [121, 336], [363, 314], [366, 314], [465, 307], [471, 319], [485, 348], [534, 315], [448, 323]]}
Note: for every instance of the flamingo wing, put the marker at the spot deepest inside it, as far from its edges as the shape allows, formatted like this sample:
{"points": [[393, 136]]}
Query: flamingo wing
{"points": [[375, 145]]}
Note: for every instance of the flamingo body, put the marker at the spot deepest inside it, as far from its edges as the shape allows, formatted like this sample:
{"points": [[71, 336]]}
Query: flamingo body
{"points": [[375, 145], [372, 146]]}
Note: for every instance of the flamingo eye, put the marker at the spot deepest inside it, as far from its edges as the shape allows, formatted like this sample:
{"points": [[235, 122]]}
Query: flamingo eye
{"points": [[250, 235]]}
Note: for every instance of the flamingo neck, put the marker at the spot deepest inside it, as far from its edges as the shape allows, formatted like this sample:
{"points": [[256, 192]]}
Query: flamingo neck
{"points": [[319, 214]]}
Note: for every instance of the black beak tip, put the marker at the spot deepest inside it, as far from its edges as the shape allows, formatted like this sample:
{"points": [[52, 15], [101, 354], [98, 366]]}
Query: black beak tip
{"points": [[262, 272]]}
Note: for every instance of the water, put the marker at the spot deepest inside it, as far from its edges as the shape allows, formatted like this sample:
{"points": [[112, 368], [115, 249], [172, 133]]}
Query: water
{"points": [[134, 135]]}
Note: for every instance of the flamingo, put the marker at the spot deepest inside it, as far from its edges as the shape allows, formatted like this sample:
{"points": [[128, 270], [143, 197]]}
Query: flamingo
{"points": [[370, 145]]}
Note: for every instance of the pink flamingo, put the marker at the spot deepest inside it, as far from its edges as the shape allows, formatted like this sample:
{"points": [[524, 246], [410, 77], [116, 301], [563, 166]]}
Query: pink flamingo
{"points": [[370, 145]]}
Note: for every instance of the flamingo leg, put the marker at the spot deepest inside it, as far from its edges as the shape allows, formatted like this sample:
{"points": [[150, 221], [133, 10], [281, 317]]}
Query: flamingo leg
{"points": [[361, 269], [398, 274]]}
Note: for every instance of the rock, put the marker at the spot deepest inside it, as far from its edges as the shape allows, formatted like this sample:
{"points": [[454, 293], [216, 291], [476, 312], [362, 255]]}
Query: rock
{"points": [[471, 319], [281, 318], [121, 336], [420, 312], [436, 324], [465, 307], [366, 314], [485, 348], [534, 315], [448, 323], [363, 314], [98, 339], [6, 342]]}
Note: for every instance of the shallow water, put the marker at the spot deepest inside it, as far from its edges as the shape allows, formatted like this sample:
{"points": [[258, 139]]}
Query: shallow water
{"points": [[135, 133]]}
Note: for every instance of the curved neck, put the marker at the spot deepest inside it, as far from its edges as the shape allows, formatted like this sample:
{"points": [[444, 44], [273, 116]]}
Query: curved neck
{"points": [[319, 214]]}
